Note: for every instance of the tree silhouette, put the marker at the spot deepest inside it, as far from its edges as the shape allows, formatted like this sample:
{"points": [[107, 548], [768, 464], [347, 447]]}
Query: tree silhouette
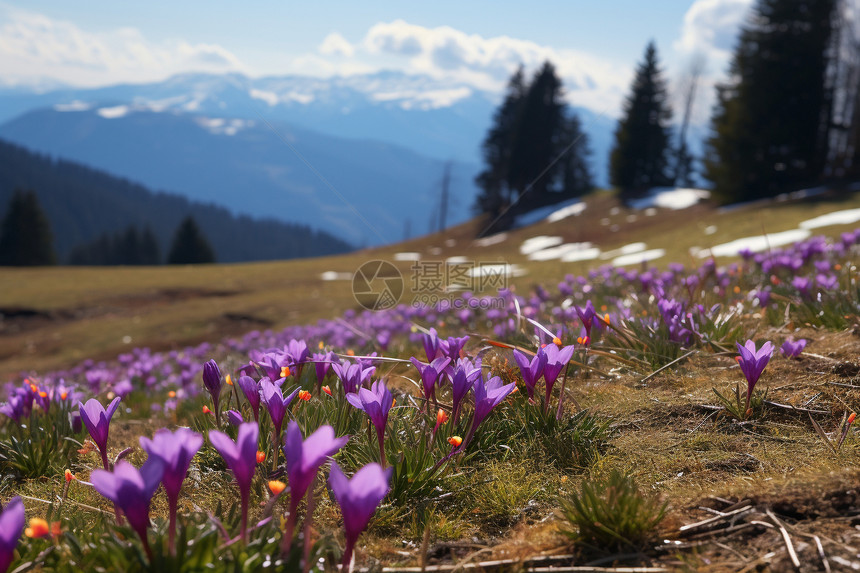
{"points": [[189, 245], [25, 233], [771, 124], [534, 152], [640, 158]]}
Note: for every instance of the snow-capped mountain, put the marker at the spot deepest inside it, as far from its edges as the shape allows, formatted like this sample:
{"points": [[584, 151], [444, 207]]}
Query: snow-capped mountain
{"points": [[279, 145], [438, 118], [360, 190]]}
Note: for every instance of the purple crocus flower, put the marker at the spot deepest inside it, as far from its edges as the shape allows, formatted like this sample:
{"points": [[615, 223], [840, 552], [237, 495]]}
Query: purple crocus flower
{"points": [[296, 353], [277, 404], [304, 459], [12, 520], [358, 499], [212, 382], [792, 348], [487, 396], [376, 403], [322, 364], [531, 370], [235, 417], [430, 374], [131, 491], [557, 360], [251, 389], [176, 449], [752, 363], [586, 316], [241, 457], [431, 343], [97, 420], [452, 347], [352, 376], [463, 377]]}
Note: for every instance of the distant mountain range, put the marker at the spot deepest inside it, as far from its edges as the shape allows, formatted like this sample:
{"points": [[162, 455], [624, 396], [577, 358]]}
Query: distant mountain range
{"points": [[82, 203], [380, 140]]}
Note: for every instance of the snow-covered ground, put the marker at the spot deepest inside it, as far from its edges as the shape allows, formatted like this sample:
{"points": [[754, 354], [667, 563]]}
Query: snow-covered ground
{"points": [[638, 257], [670, 198], [551, 213], [755, 244], [539, 243], [559, 251], [407, 256], [844, 217], [491, 240], [335, 276]]}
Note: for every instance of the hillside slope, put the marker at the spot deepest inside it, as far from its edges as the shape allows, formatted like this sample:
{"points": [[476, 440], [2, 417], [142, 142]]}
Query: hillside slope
{"points": [[83, 203]]}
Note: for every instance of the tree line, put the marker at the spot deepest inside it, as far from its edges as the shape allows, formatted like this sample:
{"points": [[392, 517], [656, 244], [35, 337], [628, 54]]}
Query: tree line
{"points": [[96, 217], [787, 117], [26, 239]]}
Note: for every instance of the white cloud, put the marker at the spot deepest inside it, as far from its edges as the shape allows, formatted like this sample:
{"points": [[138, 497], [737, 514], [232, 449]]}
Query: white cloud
{"points": [[482, 63], [33, 46], [336, 45], [709, 33], [711, 28]]}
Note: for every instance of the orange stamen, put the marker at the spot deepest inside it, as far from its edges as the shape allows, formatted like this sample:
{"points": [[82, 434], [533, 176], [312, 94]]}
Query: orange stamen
{"points": [[455, 441]]}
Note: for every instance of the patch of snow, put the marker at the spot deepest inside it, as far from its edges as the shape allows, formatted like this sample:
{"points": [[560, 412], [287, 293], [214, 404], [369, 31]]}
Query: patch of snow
{"points": [[76, 105], [631, 218], [301, 98], [542, 213], [113, 112], [562, 251], [450, 243], [650, 212], [434, 251], [670, 198], [270, 98], [491, 240], [639, 257], [497, 270], [335, 276], [539, 243], [583, 255], [424, 99], [614, 211], [630, 249], [710, 229], [569, 211], [557, 252], [407, 256], [756, 244], [844, 217], [221, 126], [457, 260]]}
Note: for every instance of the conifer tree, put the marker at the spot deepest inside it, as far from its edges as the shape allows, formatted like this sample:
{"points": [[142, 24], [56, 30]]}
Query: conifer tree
{"points": [[25, 233], [535, 151], [189, 245], [640, 158], [772, 118]]}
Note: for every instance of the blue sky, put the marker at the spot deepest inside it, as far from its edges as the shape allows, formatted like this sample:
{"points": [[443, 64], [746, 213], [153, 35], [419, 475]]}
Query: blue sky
{"points": [[595, 45]]}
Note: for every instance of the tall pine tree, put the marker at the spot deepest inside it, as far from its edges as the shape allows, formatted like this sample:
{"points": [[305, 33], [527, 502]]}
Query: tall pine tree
{"points": [[772, 118], [534, 152], [189, 245], [25, 233], [640, 158]]}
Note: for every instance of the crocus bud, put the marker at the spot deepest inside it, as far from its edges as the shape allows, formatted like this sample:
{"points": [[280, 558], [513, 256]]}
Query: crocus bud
{"points": [[276, 487], [38, 528]]}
